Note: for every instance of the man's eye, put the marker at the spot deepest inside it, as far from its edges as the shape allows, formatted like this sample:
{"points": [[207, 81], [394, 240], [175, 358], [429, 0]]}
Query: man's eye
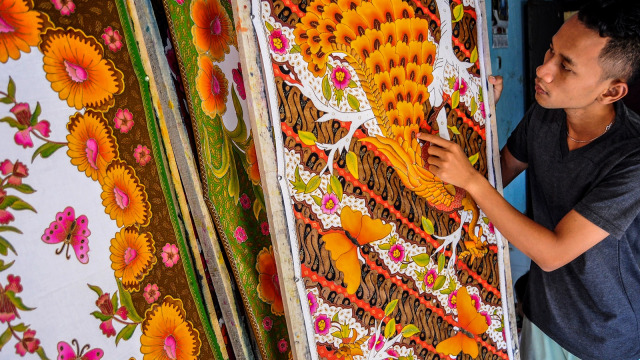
{"points": [[566, 68]]}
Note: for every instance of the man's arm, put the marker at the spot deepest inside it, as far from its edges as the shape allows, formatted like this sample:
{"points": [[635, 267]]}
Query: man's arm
{"points": [[573, 235], [510, 166]]}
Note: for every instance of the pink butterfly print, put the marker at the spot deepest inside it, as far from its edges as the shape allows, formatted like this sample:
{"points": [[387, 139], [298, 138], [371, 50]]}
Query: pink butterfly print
{"points": [[65, 352], [71, 232]]}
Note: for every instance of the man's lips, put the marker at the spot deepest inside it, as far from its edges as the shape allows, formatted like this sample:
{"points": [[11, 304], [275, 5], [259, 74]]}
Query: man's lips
{"points": [[540, 90]]}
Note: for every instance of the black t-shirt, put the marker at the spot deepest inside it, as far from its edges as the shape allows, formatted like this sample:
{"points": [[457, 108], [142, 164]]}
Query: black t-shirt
{"points": [[591, 306]]}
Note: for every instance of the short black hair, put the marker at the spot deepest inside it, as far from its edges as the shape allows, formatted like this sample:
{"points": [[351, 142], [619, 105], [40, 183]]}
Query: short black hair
{"points": [[619, 21]]}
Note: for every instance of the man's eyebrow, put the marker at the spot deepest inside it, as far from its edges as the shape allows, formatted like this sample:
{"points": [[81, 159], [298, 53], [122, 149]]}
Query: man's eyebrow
{"points": [[565, 58]]}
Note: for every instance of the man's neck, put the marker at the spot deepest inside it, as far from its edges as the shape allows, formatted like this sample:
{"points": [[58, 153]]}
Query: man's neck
{"points": [[587, 124]]}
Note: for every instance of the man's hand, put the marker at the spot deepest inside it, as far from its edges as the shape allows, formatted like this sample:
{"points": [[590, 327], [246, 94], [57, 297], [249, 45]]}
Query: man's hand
{"points": [[497, 83], [448, 162]]}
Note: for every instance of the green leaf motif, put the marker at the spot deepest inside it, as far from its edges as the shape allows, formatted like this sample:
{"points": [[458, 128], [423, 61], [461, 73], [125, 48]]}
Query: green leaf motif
{"points": [[439, 283], [485, 220], [337, 186], [36, 114], [20, 327], [474, 106], [46, 150], [452, 285], [4, 267], [352, 164], [268, 26], [307, 138], [23, 188], [22, 205], [317, 200], [17, 301], [421, 260], [404, 266], [41, 353], [474, 55], [455, 99], [353, 102], [458, 12], [5, 337], [441, 260], [96, 289], [313, 184], [100, 316], [339, 96], [11, 88], [427, 225], [126, 333], [390, 329], [295, 49], [409, 330], [454, 130], [390, 307], [326, 88], [10, 228], [125, 299], [335, 317], [352, 84], [6, 100], [474, 158], [385, 246], [9, 120], [114, 301]]}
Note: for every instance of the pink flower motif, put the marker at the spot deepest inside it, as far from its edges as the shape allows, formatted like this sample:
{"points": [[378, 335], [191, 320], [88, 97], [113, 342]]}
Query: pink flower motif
{"points": [[107, 328], [180, 2], [487, 316], [460, 85], [28, 343], [6, 217], [453, 299], [22, 113], [393, 353], [142, 154], [17, 171], [283, 345], [14, 284], [240, 234], [112, 39], [340, 77], [170, 255], [430, 278], [122, 312], [322, 324], [245, 201], [481, 108], [104, 304], [313, 302], [267, 323], [151, 293], [491, 228], [278, 42], [377, 341], [123, 120], [396, 253], [237, 78], [66, 7], [330, 203], [264, 227], [475, 301]]}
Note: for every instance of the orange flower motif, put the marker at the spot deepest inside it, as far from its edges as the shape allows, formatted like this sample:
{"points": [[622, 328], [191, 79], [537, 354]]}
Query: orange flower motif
{"points": [[212, 87], [91, 143], [166, 334], [132, 256], [212, 29], [268, 283], [123, 197], [19, 28], [77, 70]]}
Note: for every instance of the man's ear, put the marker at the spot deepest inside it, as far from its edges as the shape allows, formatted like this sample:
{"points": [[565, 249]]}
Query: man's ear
{"points": [[616, 91]]}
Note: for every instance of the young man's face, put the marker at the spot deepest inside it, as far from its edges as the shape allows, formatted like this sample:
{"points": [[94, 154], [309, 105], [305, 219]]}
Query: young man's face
{"points": [[570, 77]]}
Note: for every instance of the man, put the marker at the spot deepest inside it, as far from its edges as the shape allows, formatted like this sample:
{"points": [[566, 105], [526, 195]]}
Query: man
{"points": [[581, 147]]}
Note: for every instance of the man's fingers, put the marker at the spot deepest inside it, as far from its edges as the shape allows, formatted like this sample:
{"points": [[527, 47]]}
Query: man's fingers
{"points": [[498, 83], [434, 139]]}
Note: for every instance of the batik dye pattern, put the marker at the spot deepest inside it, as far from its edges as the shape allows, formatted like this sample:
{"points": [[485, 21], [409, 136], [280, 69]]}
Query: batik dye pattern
{"points": [[394, 262], [204, 37], [94, 260]]}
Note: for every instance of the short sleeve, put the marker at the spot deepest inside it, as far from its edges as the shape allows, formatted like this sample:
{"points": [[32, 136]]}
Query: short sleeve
{"points": [[517, 142], [614, 202]]}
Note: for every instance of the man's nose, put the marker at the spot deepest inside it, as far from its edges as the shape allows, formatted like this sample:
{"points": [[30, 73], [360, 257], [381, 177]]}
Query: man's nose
{"points": [[545, 71]]}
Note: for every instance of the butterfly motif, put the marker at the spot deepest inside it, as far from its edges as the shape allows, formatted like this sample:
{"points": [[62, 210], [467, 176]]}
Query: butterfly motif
{"points": [[71, 232], [470, 322], [65, 352], [343, 246]]}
